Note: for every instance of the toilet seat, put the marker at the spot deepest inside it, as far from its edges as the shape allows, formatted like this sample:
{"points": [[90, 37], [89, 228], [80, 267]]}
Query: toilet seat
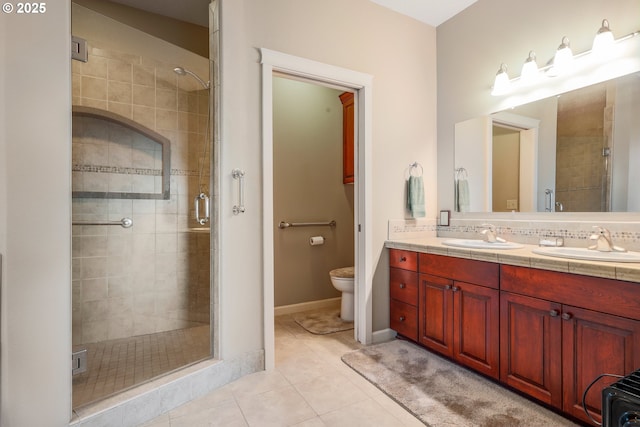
{"points": [[343, 273]]}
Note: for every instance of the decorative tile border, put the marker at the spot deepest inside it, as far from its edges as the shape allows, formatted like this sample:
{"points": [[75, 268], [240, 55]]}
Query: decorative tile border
{"points": [[575, 233], [411, 228], [131, 171]]}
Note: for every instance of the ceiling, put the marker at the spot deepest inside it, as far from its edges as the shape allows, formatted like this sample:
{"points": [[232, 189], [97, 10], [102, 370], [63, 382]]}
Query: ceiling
{"points": [[432, 12]]}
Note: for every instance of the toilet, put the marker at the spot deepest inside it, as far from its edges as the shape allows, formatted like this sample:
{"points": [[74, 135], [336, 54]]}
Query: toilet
{"points": [[342, 279]]}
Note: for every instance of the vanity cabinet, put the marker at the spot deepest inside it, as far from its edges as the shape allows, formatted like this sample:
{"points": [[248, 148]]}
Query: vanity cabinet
{"points": [[403, 293], [547, 334], [458, 310], [560, 331]]}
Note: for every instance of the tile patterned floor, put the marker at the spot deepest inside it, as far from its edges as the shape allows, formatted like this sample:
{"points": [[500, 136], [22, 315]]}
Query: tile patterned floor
{"points": [[310, 387], [116, 365]]}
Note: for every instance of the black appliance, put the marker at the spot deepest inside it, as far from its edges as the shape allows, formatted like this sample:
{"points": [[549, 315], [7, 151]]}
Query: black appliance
{"points": [[621, 402]]}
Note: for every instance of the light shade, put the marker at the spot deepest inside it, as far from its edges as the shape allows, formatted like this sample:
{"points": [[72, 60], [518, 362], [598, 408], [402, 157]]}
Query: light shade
{"points": [[529, 72], [501, 84], [603, 40], [564, 57]]}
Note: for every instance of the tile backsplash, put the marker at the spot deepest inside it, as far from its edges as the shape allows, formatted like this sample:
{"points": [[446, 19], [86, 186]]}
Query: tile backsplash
{"points": [[575, 232]]}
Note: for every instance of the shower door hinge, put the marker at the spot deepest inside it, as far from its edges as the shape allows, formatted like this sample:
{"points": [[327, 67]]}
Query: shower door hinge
{"points": [[79, 49], [79, 361]]}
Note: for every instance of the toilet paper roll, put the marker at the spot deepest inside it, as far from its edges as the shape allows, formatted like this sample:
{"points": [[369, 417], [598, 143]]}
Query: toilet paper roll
{"points": [[316, 240]]}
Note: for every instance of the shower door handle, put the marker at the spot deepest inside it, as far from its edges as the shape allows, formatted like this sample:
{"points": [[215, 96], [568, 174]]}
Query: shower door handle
{"points": [[196, 202]]}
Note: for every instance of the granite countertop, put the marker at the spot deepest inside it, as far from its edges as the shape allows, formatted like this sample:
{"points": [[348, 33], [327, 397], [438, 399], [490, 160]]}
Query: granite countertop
{"points": [[523, 257]]}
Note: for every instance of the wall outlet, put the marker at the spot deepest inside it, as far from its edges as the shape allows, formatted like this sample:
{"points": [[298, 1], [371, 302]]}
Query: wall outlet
{"points": [[512, 204]]}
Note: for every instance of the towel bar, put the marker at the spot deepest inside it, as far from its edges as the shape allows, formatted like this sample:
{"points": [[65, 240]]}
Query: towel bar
{"points": [[124, 222]]}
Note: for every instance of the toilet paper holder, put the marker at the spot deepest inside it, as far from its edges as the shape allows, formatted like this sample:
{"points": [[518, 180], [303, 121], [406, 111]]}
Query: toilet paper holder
{"points": [[316, 240]]}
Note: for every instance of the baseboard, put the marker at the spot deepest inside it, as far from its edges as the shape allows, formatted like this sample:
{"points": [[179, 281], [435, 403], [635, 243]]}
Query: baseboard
{"points": [[305, 306], [383, 335]]}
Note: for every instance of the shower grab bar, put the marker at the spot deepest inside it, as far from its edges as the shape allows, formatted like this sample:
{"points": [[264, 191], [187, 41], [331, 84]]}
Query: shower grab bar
{"points": [[239, 175], [124, 223], [196, 204], [285, 224]]}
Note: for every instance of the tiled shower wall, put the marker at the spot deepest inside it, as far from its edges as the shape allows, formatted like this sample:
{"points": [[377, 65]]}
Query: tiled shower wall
{"points": [[154, 276], [585, 127]]}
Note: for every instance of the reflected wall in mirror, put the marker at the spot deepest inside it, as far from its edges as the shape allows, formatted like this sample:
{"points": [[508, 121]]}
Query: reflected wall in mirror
{"points": [[578, 152]]}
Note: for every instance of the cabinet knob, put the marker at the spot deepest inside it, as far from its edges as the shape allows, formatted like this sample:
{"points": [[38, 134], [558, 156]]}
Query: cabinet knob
{"points": [[554, 313], [567, 316], [455, 289], [402, 285], [402, 318], [403, 258], [447, 287]]}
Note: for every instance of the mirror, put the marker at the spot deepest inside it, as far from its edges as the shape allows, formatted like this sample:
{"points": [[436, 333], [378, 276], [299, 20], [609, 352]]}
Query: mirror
{"points": [[577, 152]]}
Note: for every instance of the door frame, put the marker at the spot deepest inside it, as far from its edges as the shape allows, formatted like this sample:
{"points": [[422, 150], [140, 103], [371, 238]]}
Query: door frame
{"points": [[362, 85]]}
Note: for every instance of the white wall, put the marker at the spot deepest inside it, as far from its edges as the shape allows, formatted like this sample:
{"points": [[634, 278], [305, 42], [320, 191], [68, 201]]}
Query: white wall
{"points": [[358, 35], [35, 147], [35, 231], [472, 44]]}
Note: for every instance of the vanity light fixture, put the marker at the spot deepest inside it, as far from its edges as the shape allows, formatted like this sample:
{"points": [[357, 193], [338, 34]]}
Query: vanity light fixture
{"points": [[501, 83], [608, 58], [530, 72], [603, 41]]}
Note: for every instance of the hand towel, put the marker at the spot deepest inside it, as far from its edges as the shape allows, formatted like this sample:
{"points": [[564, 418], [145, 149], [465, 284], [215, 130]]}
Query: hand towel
{"points": [[462, 193], [415, 196]]}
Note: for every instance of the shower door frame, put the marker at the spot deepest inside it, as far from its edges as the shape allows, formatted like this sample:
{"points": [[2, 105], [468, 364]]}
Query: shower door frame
{"points": [[362, 85]]}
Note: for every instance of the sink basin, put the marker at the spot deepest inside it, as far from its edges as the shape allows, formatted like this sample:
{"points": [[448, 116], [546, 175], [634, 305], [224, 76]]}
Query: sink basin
{"points": [[588, 254], [481, 244]]}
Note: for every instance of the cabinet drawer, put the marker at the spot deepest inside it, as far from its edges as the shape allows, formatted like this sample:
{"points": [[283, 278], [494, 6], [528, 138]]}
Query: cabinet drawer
{"points": [[482, 273], [404, 319], [406, 260], [594, 293], [403, 286]]}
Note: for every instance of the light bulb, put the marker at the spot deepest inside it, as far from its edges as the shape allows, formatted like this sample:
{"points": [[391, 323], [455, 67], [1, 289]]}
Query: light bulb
{"points": [[501, 84], [564, 57], [529, 72], [603, 40]]}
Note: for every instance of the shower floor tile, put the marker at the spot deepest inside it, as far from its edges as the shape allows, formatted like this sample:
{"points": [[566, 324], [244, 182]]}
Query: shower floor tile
{"points": [[115, 365]]}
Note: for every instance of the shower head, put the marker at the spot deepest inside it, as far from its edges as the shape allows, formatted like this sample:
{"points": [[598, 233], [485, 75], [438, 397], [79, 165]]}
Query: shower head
{"points": [[181, 71]]}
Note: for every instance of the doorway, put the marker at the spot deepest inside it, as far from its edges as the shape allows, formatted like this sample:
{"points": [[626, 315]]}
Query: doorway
{"points": [[361, 84], [311, 194]]}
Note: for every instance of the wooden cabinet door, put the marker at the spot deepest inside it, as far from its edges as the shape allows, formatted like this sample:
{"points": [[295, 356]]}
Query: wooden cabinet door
{"points": [[348, 133], [435, 314], [530, 346], [476, 334], [593, 344]]}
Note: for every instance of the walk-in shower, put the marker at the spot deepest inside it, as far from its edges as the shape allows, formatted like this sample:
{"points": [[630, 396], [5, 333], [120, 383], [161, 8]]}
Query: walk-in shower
{"points": [[140, 148]]}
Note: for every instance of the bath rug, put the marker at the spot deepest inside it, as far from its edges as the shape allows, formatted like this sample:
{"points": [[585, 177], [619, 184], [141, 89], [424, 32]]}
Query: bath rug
{"points": [[321, 322], [440, 393]]}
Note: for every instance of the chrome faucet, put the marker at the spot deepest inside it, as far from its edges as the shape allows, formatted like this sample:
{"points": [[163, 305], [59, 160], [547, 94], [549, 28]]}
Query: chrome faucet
{"points": [[604, 243], [490, 234]]}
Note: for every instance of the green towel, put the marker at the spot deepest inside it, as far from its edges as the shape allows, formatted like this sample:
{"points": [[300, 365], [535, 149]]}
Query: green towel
{"points": [[415, 196], [462, 195]]}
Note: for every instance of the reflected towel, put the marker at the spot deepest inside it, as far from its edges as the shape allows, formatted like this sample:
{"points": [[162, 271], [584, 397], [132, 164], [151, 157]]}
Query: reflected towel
{"points": [[462, 195], [415, 196]]}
